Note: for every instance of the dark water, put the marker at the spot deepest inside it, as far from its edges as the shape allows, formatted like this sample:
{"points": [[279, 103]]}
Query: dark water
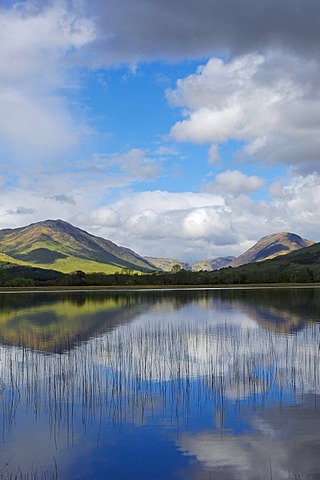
{"points": [[207, 384]]}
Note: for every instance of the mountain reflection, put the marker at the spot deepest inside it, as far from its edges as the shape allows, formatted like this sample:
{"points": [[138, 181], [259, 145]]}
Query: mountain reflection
{"points": [[230, 378], [55, 322]]}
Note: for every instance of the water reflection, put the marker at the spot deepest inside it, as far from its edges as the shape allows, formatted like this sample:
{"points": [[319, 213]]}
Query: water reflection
{"points": [[276, 446], [52, 323], [225, 383]]}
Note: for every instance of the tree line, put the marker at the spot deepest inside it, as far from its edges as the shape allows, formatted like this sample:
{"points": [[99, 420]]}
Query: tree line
{"points": [[274, 271]]}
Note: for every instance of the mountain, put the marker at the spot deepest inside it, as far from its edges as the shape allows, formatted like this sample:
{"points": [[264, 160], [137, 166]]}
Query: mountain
{"points": [[272, 246], [210, 264], [266, 248], [166, 264], [58, 245], [299, 266]]}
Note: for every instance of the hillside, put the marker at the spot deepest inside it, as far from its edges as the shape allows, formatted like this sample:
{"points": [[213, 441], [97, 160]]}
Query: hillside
{"points": [[300, 266], [58, 245], [266, 248], [45, 251], [210, 264], [272, 246], [166, 264]]}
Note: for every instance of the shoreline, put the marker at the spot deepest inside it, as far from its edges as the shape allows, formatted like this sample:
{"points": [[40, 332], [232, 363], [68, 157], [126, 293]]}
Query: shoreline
{"points": [[154, 287]]}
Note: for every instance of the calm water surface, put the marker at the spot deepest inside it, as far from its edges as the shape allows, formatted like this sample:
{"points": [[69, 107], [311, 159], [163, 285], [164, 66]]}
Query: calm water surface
{"points": [[197, 384]]}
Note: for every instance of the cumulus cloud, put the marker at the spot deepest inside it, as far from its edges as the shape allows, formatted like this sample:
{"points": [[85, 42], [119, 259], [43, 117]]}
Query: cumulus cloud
{"points": [[297, 202], [42, 40], [37, 34], [78, 186], [222, 221], [88, 184], [169, 224], [268, 103], [235, 183], [259, 88], [38, 41], [188, 225], [104, 216]]}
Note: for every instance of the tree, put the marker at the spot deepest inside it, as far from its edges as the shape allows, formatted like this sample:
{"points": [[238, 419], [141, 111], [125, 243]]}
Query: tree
{"points": [[176, 268]]}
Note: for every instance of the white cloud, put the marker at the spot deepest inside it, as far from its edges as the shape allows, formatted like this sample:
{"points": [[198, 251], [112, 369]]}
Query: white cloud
{"points": [[205, 125], [188, 226], [213, 154], [235, 183], [104, 216], [170, 224], [265, 101], [28, 206], [162, 202], [135, 164], [211, 224], [82, 188], [193, 226], [38, 42], [296, 202], [42, 124], [268, 101], [35, 38]]}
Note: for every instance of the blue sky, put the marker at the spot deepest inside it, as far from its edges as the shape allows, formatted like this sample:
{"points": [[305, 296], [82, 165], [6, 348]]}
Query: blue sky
{"points": [[176, 128]]}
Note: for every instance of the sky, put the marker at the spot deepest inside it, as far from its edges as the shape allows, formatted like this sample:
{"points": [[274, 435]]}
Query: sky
{"points": [[177, 128]]}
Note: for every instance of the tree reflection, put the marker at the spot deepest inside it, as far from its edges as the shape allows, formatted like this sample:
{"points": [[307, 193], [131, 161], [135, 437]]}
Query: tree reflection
{"points": [[197, 368]]}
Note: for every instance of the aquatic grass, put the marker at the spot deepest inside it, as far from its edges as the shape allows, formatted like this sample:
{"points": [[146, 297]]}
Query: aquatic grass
{"points": [[32, 473], [166, 370], [135, 362]]}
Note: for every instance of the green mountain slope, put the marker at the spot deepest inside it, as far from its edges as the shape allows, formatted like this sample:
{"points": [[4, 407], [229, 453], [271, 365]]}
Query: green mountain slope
{"points": [[301, 266], [272, 246], [58, 245], [308, 256]]}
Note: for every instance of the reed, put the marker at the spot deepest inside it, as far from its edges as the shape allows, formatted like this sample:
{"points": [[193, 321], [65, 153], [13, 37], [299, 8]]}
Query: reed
{"points": [[171, 370]]}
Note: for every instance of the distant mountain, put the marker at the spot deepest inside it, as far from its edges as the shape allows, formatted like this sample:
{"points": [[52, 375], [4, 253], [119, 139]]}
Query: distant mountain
{"points": [[58, 245], [166, 264], [272, 246], [210, 264]]}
